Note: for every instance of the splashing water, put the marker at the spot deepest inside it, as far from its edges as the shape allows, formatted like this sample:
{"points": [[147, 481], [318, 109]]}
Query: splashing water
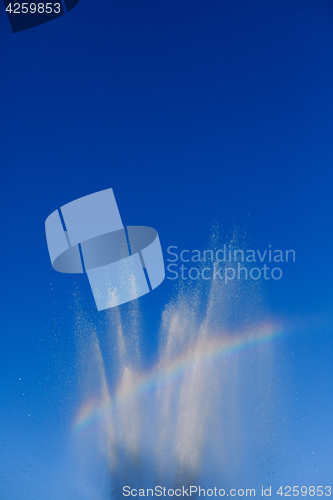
{"points": [[202, 415]]}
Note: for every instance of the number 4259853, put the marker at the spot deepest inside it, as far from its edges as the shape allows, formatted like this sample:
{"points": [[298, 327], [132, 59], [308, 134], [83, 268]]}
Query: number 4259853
{"points": [[304, 491], [32, 8]]}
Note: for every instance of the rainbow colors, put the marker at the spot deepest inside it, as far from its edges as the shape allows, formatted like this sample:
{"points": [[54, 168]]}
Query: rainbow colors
{"points": [[207, 351]]}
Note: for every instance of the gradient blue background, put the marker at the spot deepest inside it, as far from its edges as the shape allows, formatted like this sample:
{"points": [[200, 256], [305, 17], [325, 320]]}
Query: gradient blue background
{"points": [[192, 111]]}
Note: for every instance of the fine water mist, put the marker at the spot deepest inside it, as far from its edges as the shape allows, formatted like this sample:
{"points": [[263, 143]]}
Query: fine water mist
{"points": [[202, 414]]}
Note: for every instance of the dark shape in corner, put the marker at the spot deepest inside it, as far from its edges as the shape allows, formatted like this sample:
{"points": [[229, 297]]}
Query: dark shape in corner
{"points": [[70, 4], [26, 15]]}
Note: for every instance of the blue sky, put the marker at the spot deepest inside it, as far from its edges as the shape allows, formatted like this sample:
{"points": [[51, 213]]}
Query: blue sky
{"points": [[193, 112]]}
